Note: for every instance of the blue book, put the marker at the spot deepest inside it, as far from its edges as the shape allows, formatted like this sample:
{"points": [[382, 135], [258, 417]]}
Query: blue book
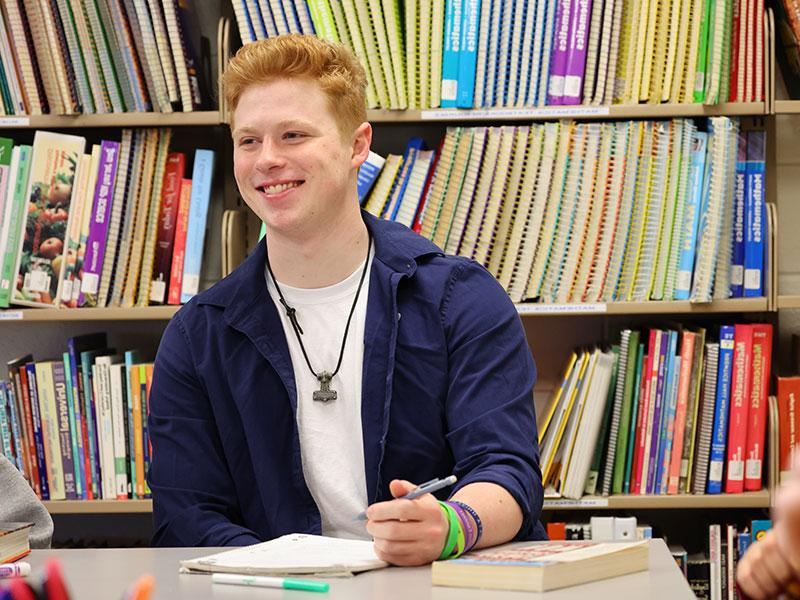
{"points": [[367, 174], [743, 541], [72, 359], [202, 173], [451, 53], [719, 439], [414, 145], [658, 412], [30, 372], [16, 432], [5, 426], [468, 57], [737, 260], [755, 213], [694, 203], [758, 528], [669, 409]]}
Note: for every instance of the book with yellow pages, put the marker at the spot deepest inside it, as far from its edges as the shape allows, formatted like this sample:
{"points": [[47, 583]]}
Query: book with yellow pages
{"points": [[14, 541], [542, 566]]}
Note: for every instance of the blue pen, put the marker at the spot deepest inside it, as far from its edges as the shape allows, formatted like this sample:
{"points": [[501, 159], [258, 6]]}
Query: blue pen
{"points": [[434, 485]]}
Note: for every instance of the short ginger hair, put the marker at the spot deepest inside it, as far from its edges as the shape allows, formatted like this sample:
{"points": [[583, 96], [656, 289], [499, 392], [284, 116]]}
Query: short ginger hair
{"points": [[294, 56]]}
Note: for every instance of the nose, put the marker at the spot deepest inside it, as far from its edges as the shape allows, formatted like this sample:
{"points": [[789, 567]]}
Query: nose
{"points": [[269, 157]]}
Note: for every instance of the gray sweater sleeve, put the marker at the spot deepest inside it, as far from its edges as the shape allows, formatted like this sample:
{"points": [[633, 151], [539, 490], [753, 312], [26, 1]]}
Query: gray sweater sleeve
{"points": [[19, 503]]}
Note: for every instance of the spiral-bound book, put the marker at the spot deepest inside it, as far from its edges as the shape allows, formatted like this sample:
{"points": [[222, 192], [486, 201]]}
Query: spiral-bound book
{"points": [[472, 228], [465, 200]]}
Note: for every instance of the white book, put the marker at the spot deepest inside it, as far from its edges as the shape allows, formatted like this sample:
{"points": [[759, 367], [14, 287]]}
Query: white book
{"points": [[593, 51], [496, 195], [581, 237], [267, 17], [282, 25], [514, 65], [416, 183], [589, 427], [509, 201], [534, 232], [164, 54], [680, 208], [8, 181], [469, 239], [117, 385], [105, 422]]}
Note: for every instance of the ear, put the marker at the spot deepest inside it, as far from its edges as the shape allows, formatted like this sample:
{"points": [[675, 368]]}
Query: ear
{"points": [[362, 140]]}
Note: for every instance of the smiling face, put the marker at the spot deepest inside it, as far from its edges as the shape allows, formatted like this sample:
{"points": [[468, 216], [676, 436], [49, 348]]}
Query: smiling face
{"points": [[294, 167]]}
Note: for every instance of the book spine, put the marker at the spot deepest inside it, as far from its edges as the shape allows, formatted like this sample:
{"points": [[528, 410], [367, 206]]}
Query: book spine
{"points": [[91, 423], [741, 386], [737, 267], [637, 386], [757, 415], [74, 430], [48, 412], [661, 378], [167, 219], [559, 52], [16, 227], [468, 56], [754, 215], [179, 249], [450, 56], [788, 413], [198, 210], [64, 432], [98, 227], [644, 409], [694, 200], [21, 382], [719, 438], [576, 58], [699, 84]]}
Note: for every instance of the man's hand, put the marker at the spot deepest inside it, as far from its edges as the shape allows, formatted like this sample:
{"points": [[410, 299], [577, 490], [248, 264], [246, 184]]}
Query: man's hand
{"points": [[407, 533], [763, 572]]}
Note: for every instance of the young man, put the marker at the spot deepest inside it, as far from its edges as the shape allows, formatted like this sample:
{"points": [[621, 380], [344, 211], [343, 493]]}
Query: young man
{"points": [[345, 358]]}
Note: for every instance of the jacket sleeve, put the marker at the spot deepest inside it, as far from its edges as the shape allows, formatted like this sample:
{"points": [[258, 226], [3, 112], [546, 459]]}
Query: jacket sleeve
{"points": [[194, 496], [490, 412]]}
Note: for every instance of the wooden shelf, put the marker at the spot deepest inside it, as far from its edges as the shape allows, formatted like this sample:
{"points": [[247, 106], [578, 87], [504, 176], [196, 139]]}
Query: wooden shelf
{"points": [[149, 313], [83, 507], [787, 107], [788, 302], [115, 120], [645, 308], [758, 499], [620, 111]]}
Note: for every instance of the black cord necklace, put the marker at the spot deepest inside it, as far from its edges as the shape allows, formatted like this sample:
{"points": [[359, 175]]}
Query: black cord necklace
{"points": [[325, 393]]}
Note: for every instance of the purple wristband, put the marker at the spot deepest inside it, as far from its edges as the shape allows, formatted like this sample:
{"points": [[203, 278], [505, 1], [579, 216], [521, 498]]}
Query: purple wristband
{"points": [[474, 516], [466, 525]]}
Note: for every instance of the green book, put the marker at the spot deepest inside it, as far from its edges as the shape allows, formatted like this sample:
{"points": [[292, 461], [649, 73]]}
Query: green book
{"points": [[626, 487], [18, 212], [702, 51], [627, 408]]}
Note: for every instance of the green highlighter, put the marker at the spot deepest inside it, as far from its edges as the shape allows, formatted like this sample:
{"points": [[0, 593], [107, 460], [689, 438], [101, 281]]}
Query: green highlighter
{"points": [[273, 582]]}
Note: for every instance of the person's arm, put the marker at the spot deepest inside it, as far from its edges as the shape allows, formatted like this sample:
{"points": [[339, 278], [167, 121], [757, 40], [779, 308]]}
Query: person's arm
{"points": [[491, 430], [20, 504], [194, 496]]}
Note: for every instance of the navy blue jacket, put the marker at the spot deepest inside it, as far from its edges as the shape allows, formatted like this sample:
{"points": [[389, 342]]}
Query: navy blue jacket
{"points": [[447, 388]]}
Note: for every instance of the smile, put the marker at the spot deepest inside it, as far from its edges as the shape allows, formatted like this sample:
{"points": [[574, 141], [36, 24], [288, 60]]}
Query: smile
{"points": [[278, 188]]}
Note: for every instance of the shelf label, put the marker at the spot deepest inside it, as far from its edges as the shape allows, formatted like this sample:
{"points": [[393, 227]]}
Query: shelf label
{"points": [[10, 315], [15, 121], [556, 309], [567, 503], [514, 113]]}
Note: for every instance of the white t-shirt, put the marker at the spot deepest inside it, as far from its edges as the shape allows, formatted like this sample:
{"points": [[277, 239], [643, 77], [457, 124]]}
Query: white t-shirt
{"points": [[331, 442]]}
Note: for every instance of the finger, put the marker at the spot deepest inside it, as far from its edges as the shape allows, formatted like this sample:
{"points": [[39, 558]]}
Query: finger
{"points": [[760, 573], [747, 581], [424, 507], [400, 487], [405, 554], [435, 531]]}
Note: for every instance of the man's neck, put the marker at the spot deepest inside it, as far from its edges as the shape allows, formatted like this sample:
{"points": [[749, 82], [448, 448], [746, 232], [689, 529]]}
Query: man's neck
{"points": [[321, 258]]}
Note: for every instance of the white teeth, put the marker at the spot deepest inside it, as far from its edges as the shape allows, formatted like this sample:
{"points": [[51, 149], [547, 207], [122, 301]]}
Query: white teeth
{"points": [[277, 189]]}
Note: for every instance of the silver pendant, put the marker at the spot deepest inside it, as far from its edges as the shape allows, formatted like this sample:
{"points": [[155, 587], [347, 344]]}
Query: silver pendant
{"points": [[325, 393]]}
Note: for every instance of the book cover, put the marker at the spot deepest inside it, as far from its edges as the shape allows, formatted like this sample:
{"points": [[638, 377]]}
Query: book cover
{"points": [[451, 52], [468, 55], [741, 387], [757, 412], [755, 210], [788, 394], [179, 249], [546, 565], [59, 383], [167, 218], [368, 173], [16, 219], [719, 438], [49, 192], [202, 174], [98, 225], [559, 52], [36, 421], [576, 53], [706, 423], [737, 266]]}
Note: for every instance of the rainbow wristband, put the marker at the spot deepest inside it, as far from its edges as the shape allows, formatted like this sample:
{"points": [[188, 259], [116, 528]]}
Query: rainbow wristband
{"points": [[452, 532]]}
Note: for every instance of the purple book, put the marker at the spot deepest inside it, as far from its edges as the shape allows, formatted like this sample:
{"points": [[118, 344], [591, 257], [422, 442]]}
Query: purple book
{"points": [[658, 409], [559, 52], [64, 435], [576, 53], [98, 228]]}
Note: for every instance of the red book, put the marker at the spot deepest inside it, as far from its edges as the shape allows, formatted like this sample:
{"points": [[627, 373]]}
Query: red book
{"points": [[417, 226], [167, 218], [757, 413], [179, 248], [788, 419], [640, 441], [557, 531], [26, 400], [741, 384], [687, 357], [736, 39]]}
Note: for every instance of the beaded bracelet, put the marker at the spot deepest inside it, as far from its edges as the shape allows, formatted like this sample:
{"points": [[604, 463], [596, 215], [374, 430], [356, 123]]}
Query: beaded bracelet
{"points": [[454, 529], [474, 516]]}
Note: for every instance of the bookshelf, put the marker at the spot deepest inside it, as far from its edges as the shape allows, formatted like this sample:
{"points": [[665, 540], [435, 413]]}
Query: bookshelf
{"points": [[54, 323]]}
